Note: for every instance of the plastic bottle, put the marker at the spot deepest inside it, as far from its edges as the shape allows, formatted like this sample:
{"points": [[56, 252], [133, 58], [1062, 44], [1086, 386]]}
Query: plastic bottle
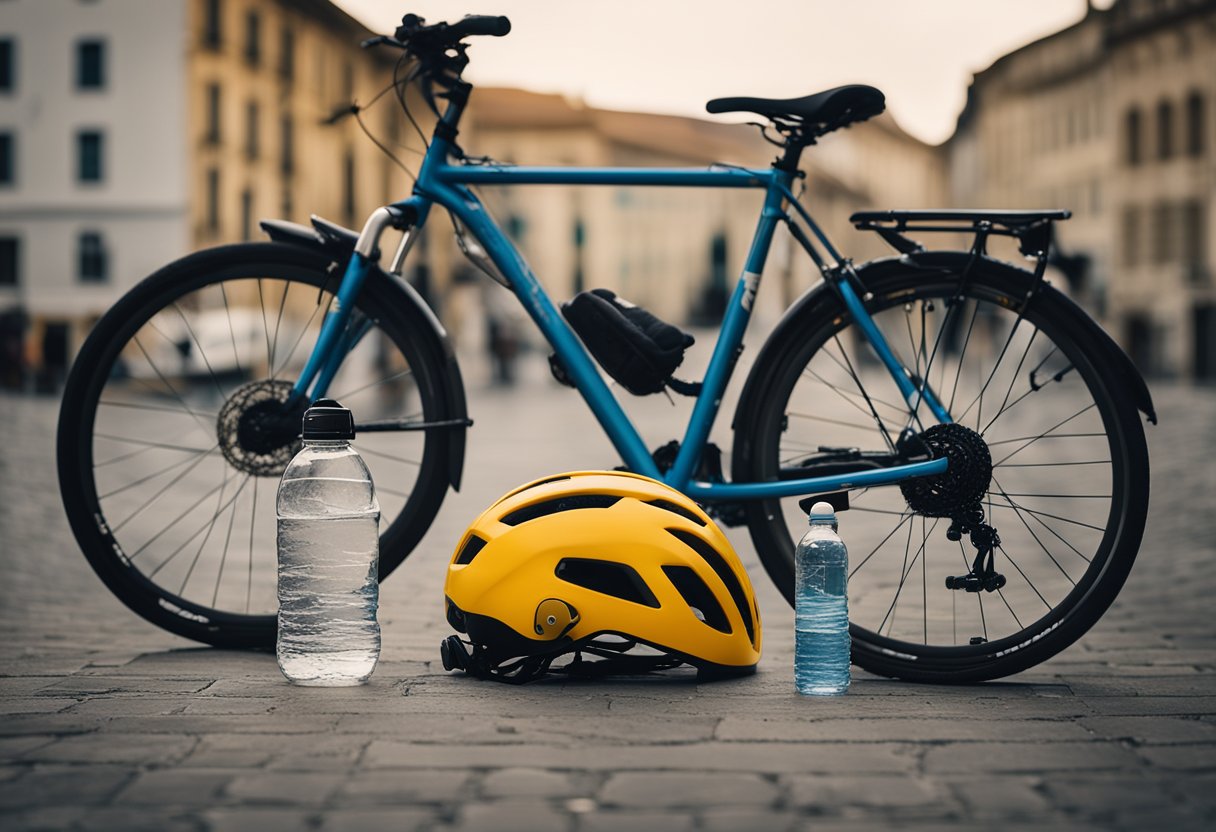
{"points": [[329, 545], [821, 608]]}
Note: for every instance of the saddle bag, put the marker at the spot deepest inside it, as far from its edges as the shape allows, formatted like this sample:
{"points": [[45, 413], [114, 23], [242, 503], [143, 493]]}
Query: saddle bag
{"points": [[633, 346]]}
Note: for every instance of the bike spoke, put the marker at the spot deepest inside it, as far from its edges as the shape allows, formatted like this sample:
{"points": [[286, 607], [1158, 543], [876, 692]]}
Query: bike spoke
{"points": [[1042, 546], [253, 516], [395, 376], [963, 354], [154, 474], [1012, 381], [364, 449], [904, 519], [202, 353], [173, 390], [236, 358], [153, 407], [160, 492], [181, 516], [304, 330], [1057, 425], [278, 323]]}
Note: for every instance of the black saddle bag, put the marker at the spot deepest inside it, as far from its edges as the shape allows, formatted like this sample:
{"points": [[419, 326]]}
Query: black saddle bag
{"points": [[633, 346]]}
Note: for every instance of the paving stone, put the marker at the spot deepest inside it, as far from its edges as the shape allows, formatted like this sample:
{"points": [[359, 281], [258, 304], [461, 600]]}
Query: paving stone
{"points": [[64, 786], [402, 788], [526, 782], [616, 821], [758, 757], [288, 788], [733, 819], [185, 787], [13, 747], [1151, 730], [657, 789], [87, 685], [1189, 757], [1104, 795], [896, 729], [1026, 757], [131, 819], [825, 793], [248, 819], [363, 820], [114, 748], [510, 816], [1152, 705], [1002, 797]]}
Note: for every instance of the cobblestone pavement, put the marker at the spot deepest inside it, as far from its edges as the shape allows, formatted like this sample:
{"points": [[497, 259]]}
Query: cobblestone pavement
{"points": [[109, 723]]}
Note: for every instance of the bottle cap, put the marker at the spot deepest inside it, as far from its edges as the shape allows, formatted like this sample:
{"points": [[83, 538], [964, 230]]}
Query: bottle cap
{"points": [[822, 512], [327, 419]]}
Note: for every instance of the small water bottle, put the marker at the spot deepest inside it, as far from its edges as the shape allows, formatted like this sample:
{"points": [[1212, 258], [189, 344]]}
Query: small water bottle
{"points": [[329, 545], [821, 608]]}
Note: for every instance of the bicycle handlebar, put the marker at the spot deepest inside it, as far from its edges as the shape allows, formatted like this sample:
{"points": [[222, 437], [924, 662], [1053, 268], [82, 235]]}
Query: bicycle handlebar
{"points": [[414, 32]]}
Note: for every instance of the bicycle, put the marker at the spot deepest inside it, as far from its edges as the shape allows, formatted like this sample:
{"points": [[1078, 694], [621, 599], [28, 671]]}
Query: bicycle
{"points": [[191, 388]]}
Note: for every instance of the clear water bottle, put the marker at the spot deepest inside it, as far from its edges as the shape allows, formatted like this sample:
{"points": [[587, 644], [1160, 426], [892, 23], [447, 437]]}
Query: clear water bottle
{"points": [[329, 544], [821, 608]]}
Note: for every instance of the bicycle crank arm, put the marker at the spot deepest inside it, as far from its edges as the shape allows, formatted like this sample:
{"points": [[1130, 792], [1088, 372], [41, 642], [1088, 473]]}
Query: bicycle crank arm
{"points": [[385, 425]]}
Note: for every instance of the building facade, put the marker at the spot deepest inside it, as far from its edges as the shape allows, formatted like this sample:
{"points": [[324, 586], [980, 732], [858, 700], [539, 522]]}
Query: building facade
{"points": [[1114, 119], [135, 131]]}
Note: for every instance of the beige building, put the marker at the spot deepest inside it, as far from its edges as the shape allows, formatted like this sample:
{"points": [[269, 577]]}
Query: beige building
{"points": [[136, 131], [1113, 118]]}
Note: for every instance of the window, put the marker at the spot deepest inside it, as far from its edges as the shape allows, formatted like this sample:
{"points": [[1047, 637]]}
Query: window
{"points": [[287, 53], [1195, 138], [253, 38], [1193, 243], [246, 215], [89, 147], [213, 200], [252, 116], [1163, 233], [8, 75], [1133, 144], [1131, 236], [90, 65], [8, 261], [348, 187], [213, 33], [1165, 130], [6, 158], [213, 114], [287, 148], [92, 255]]}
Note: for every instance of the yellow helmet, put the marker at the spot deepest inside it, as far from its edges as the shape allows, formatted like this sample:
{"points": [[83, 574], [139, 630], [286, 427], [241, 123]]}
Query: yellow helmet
{"points": [[597, 563]]}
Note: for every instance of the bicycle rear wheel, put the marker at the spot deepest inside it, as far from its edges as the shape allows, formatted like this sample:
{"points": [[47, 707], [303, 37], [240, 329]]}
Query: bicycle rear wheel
{"points": [[173, 432], [1069, 486]]}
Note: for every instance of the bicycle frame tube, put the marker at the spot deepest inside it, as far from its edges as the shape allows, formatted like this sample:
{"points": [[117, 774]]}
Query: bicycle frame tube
{"points": [[447, 184]]}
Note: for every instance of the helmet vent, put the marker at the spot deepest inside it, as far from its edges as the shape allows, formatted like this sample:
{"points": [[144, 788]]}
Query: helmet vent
{"points": [[608, 578], [718, 563], [676, 509], [698, 596], [470, 549], [559, 504]]}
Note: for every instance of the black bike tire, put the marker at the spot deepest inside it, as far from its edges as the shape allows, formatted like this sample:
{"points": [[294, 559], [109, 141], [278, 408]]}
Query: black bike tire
{"points": [[86, 380], [890, 282]]}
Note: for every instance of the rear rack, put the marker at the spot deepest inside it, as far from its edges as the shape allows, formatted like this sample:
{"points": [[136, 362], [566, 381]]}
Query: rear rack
{"points": [[1032, 229]]}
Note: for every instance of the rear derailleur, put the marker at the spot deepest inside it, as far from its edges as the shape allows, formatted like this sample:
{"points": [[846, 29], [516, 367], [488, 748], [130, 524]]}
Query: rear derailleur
{"points": [[983, 575]]}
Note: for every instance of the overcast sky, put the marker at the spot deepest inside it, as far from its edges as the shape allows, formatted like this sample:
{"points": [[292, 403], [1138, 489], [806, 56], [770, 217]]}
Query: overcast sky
{"points": [[672, 56]]}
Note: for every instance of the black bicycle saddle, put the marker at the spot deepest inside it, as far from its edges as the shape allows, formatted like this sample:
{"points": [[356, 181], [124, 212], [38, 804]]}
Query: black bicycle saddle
{"points": [[820, 113]]}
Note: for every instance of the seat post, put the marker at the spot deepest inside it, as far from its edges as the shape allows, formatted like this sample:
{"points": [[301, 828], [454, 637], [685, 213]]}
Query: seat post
{"points": [[789, 158]]}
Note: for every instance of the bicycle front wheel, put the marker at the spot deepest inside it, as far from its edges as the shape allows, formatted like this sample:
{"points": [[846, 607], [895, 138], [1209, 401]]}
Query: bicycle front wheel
{"points": [[173, 432], [1069, 483]]}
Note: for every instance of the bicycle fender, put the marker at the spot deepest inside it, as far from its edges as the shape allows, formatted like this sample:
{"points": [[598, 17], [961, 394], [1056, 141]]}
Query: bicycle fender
{"points": [[339, 247]]}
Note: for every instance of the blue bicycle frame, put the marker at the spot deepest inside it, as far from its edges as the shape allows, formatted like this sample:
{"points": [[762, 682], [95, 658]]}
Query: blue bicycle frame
{"points": [[446, 184]]}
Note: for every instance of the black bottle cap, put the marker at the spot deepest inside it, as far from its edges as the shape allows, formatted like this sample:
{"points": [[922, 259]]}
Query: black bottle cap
{"points": [[327, 419]]}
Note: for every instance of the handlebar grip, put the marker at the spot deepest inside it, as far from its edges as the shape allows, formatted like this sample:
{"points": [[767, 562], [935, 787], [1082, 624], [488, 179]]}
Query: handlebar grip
{"points": [[481, 24]]}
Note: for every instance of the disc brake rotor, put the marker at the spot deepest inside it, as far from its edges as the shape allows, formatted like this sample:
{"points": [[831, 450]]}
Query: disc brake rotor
{"points": [[257, 432]]}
